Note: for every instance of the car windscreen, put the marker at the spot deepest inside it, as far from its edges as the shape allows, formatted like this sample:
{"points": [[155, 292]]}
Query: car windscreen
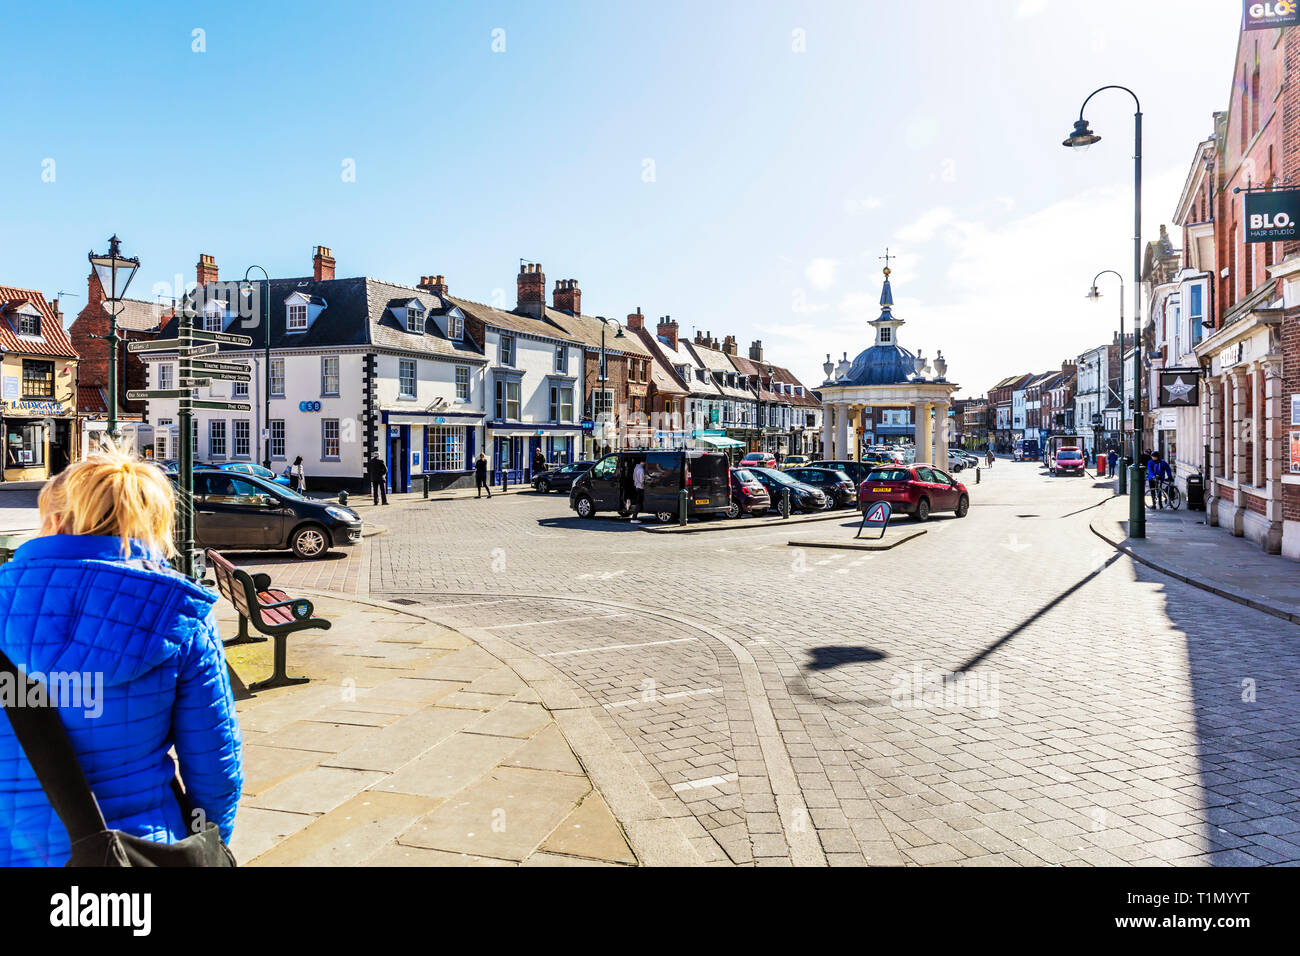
{"points": [[777, 477], [890, 474], [1068, 456]]}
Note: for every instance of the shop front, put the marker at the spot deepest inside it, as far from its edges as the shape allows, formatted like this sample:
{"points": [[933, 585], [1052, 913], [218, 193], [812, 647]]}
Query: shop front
{"points": [[441, 446], [40, 438], [511, 450]]}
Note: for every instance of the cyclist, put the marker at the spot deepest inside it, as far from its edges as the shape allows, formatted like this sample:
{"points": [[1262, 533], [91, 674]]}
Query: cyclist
{"points": [[1158, 473]]}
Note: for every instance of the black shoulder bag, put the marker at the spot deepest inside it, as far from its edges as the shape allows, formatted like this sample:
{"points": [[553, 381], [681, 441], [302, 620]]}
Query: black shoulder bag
{"points": [[45, 741]]}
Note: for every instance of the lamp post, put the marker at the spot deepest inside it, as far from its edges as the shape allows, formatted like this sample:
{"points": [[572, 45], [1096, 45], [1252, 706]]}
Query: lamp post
{"points": [[115, 273], [604, 366], [1081, 137], [1095, 296], [247, 287]]}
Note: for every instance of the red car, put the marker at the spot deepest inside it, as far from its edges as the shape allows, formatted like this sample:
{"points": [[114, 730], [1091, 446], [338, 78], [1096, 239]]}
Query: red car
{"points": [[758, 459], [748, 495], [917, 490], [1068, 461]]}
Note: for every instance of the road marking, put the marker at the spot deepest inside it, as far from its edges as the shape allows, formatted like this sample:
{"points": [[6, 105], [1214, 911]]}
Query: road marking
{"points": [[558, 620], [1013, 543], [705, 782], [439, 607], [656, 698], [619, 647]]}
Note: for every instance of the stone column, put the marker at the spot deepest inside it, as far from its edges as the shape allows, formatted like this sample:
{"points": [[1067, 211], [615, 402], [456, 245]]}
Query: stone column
{"points": [[941, 435], [1213, 421], [924, 436], [1276, 452], [1238, 466], [841, 432], [826, 432]]}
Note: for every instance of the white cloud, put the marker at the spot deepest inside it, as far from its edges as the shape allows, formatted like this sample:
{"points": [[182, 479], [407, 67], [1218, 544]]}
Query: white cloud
{"points": [[820, 273], [927, 226], [1030, 8], [860, 206]]}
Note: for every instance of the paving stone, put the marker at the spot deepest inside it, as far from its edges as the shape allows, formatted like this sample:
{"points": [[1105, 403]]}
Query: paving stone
{"points": [[351, 833], [591, 832], [399, 743]]}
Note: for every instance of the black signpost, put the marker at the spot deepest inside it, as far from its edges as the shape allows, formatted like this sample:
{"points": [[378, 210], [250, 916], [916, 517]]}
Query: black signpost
{"points": [[190, 344]]}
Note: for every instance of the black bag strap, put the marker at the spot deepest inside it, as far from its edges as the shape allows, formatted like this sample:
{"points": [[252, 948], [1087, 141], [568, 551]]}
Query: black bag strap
{"points": [[45, 741]]}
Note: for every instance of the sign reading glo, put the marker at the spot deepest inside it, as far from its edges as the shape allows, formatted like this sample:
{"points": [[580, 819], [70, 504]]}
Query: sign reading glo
{"points": [[1270, 15]]}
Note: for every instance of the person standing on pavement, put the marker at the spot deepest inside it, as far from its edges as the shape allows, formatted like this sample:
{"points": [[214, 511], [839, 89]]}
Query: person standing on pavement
{"points": [[378, 473], [296, 476], [480, 475], [638, 491], [1112, 461], [539, 462]]}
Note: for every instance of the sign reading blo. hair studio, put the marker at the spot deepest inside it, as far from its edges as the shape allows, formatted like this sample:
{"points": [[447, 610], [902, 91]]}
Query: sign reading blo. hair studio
{"points": [[1270, 14], [1272, 215]]}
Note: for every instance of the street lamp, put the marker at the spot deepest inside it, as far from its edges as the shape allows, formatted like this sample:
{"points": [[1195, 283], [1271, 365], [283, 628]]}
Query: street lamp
{"points": [[1095, 296], [605, 323], [1082, 137], [247, 287], [115, 273]]}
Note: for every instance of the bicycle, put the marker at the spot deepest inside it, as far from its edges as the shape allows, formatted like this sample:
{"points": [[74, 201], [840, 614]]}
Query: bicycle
{"points": [[1163, 491]]}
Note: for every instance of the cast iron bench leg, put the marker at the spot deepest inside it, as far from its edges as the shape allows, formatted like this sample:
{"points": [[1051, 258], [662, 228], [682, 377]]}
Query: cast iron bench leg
{"points": [[243, 637], [278, 676]]}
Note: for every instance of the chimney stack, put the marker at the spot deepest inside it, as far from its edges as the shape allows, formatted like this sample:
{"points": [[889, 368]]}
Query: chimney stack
{"points": [[756, 351], [667, 330], [435, 284], [729, 345], [567, 296], [322, 264], [206, 271], [636, 320], [531, 290]]}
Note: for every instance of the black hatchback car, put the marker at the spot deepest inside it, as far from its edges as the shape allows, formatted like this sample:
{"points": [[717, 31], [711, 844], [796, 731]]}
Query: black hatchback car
{"points": [[834, 483], [802, 497], [856, 470], [560, 478], [234, 512]]}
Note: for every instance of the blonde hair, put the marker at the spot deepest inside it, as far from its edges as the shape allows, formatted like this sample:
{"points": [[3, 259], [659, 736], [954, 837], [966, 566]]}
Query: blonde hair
{"points": [[112, 494]]}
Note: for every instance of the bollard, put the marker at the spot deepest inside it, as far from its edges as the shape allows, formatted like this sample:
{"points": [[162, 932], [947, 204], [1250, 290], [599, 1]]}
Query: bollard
{"points": [[785, 502], [682, 503], [426, 486], [979, 475], [505, 480]]}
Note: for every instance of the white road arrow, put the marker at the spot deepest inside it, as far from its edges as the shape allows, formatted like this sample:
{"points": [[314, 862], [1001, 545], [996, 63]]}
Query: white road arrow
{"points": [[1013, 544]]}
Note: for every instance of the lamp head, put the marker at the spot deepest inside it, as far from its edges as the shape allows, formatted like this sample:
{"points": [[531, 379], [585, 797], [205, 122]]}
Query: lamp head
{"points": [[1081, 137], [1093, 294]]}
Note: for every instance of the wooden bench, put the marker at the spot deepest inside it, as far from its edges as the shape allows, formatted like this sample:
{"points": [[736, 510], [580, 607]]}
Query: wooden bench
{"points": [[270, 611]]}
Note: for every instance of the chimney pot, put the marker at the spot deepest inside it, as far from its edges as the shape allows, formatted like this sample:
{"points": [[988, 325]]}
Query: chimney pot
{"points": [[206, 270], [322, 264]]}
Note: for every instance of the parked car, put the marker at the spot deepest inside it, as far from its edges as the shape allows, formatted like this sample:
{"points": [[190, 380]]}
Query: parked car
{"points": [[560, 478], [1068, 461], [956, 462], [234, 512], [835, 484], [795, 461], [917, 490], [748, 495], [703, 474], [856, 470], [758, 459], [172, 465], [250, 468], [802, 497]]}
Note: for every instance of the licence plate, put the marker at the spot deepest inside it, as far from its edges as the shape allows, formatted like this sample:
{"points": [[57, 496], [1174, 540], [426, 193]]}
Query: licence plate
{"points": [[882, 491], [701, 501]]}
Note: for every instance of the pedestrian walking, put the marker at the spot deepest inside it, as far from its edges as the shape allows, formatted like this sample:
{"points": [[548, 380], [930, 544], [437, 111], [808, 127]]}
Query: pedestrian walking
{"points": [[130, 655], [378, 474], [1112, 461], [539, 462], [481, 476], [296, 478], [638, 491]]}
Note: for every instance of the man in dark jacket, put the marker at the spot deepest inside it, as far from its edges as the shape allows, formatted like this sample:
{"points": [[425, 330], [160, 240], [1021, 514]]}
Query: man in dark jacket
{"points": [[481, 475], [378, 473], [539, 463]]}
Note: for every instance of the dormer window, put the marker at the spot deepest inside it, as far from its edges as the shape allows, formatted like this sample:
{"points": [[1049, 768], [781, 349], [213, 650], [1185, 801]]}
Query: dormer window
{"points": [[29, 323], [455, 327], [296, 320], [886, 336], [214, 315], [415, 319]]}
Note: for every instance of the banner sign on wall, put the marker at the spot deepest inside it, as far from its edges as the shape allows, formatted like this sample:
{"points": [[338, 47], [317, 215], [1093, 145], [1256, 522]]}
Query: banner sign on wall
{"points": [[1272, 215], [1270, 14], [1179, 390], [1295, 453]]}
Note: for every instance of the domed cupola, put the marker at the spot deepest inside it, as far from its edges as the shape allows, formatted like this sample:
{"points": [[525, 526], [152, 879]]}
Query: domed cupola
{"points": [[886, 362]]}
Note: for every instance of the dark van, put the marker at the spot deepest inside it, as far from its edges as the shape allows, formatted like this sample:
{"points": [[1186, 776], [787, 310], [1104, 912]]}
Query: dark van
{"points": [[608, 485]]}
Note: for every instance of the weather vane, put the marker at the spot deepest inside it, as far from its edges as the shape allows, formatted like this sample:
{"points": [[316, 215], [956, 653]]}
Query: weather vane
{"points": [[887, 257]]}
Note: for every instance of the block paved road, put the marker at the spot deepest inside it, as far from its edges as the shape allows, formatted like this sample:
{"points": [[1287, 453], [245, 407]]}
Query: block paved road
{"points": [[1005, 690]]}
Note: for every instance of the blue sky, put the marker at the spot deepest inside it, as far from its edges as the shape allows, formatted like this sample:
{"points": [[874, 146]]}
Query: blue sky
{"points": [[790, 143]]}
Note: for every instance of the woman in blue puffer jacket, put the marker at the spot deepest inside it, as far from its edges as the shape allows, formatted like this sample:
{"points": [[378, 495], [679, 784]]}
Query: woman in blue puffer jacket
{"points": [[132, 649]]}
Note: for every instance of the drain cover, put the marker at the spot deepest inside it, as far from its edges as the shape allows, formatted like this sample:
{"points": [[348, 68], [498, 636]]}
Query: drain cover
{"points": [[403, 601]]}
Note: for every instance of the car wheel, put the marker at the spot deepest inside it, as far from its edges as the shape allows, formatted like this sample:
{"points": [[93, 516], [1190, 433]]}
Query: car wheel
{"points": [[963, 507], [584, 506], [733, 510], [923, 510], [544, 487], [309, 542], [830, 503]]}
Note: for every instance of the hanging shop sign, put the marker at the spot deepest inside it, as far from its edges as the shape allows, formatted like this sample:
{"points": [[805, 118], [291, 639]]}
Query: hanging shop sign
{"points": [[1272, 215], [1179, 389], [1270, 15]]}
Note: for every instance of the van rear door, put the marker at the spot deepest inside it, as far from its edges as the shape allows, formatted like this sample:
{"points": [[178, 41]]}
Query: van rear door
{"points": [[710, 481]]}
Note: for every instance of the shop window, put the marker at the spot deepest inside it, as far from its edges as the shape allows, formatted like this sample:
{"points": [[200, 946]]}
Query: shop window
{"points": [[277, 438], [444, 448], [38, 379], [24, 445]]}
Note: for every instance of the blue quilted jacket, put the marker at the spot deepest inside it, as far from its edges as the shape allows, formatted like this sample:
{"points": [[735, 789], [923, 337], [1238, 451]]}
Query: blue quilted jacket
{"points": [[72, 605]]}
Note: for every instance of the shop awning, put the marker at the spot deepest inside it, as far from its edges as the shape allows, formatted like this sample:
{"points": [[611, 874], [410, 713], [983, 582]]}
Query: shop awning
{"points": [[713, 442]]}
